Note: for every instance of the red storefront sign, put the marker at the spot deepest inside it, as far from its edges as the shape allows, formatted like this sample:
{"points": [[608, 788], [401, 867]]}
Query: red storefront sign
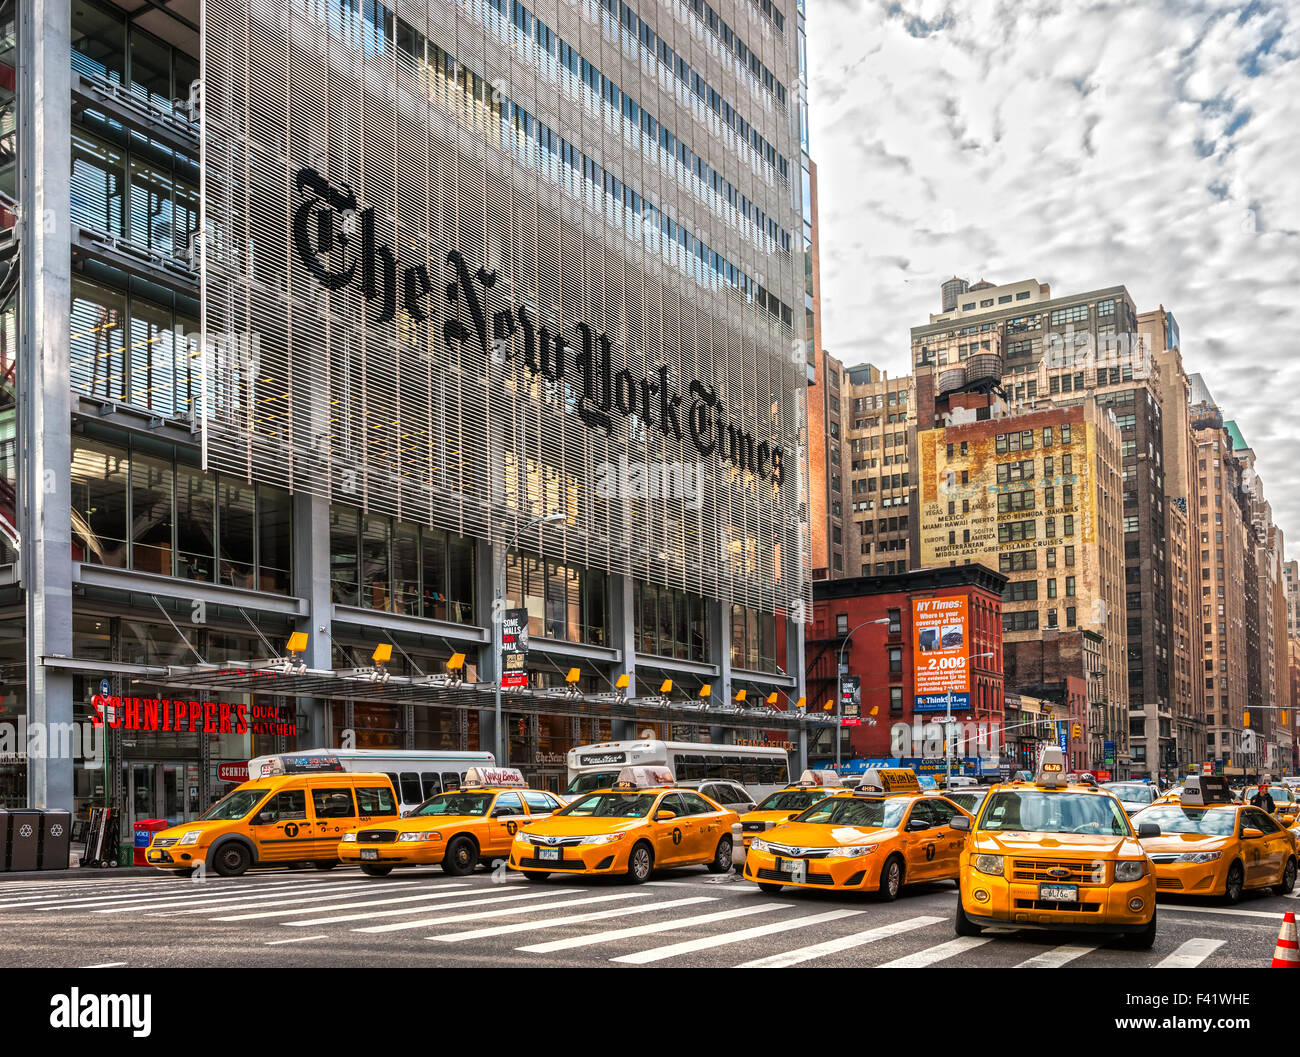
{"points": [[188, 717], [232, 772]]}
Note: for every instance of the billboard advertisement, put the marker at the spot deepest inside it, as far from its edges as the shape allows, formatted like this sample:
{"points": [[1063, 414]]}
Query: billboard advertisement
{"points": [[941, 645]]}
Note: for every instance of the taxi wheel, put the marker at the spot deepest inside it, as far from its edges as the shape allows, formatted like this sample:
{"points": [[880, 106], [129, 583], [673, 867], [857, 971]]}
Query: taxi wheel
{"points": [[770, 889], [962, 925], [721, 861], [1287, 884], [461, 857], [537, 875], [891, 879], [324, 865], [231, 860], [371, 870], [1234, 884], [1144, 940], [640, 863]]}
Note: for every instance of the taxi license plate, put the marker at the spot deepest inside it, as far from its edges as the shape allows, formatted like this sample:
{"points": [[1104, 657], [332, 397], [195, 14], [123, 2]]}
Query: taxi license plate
{"points": [[1058, 893], [788, 865], [549, 853], [370, 853]]}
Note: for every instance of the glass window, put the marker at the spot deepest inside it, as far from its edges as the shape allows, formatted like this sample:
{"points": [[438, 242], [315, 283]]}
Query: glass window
{"points": [[274, 539], [333, 803], [460, 586], [150, 358], [195, 524], [151, 75], [98, 42], [97, 345], [540, 803], [377, 800], [151, 514], [99, 488], [450, 780], [508, 804], [431, 783], [433, 567], [98, 180], [283, 807], [410, 786], [375, 588], [406, 568], [235, 514]]}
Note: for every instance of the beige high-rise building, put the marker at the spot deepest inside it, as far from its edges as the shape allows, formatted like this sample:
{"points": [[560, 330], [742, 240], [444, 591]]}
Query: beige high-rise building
{"points": [[1291, 572], [879, 416]]}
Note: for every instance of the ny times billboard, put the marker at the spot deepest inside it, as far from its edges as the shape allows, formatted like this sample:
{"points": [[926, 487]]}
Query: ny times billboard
{"points": [[410, 308]]}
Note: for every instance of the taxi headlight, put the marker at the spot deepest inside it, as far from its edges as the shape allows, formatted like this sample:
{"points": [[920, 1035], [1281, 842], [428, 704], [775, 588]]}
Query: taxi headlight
{"points": [[757, 845], [989, 864], [1199, 856], [855, 851], [192, 837], [424, 834], [1130, 869], [602, 838], [349, 837]]}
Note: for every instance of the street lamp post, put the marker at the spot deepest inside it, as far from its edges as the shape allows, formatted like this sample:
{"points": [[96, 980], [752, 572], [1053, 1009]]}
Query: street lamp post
{"points": [[498, 616], [947, 729], [839, 686]]}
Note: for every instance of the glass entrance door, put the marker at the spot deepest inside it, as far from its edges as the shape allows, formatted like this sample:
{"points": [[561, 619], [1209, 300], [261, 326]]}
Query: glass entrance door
{"points": [[160, 790]]}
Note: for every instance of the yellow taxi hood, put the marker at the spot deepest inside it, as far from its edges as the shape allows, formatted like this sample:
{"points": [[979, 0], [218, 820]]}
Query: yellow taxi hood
{"points": [[583, 825], [420, 823], [815, 835], [206, 828], [1017, 842], [1178, 842]]}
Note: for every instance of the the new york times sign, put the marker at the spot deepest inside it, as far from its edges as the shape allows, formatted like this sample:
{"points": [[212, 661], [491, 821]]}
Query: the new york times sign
{"points": [[334, 236]]}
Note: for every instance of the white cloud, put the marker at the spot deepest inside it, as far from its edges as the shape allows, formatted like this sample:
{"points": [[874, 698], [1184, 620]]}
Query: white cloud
{"points": [[1085, 145]]}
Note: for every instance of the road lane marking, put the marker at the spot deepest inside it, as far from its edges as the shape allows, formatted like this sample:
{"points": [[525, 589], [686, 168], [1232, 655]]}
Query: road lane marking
{"points": [[569, 919], [477, 900], [212, 899], [1190, 954], [1056, 957], [531, 908], [346, 891], [1275, 915], [673, 950], [938, 953], [104, 965], [173, 890], [295, 939], [613, 935], [424, 896], [843, 943]]}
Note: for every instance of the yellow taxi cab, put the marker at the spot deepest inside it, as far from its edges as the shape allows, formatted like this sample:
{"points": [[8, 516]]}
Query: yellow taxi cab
{"points": [[1210, 845], [885, 833], [458, 830], [282, 819], [1285, 807], [640, 825], [781, 806], [1049, 855]]}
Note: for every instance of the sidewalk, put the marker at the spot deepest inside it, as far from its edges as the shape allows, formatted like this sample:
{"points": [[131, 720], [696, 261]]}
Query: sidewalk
{"points": [[75, 851]]}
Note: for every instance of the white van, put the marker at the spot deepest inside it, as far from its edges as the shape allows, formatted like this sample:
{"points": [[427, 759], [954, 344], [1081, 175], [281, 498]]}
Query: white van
{"points": [[416, 774]]}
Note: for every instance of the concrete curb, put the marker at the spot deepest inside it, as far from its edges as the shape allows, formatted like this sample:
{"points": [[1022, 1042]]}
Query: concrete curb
{"points": [[80, 872]]}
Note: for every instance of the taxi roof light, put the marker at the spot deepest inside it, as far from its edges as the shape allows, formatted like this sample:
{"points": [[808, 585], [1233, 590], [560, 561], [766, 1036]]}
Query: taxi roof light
{"points": [[644, 778], [1202, 789], [1051, 768], [890, 780], [820, 777], [492, 777]]}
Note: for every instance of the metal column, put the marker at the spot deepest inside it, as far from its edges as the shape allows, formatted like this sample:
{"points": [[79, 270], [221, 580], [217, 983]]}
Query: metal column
{"points": [[720, 654], [311, 580], [44, 136], [622, 636]]}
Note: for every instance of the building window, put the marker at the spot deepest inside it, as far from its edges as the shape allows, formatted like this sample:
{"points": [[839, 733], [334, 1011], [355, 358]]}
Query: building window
{"points": [[895, 660], [841, 623], [895, 699]]}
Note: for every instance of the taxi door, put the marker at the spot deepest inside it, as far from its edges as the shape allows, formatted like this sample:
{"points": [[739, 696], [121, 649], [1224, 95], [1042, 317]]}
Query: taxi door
{"points": [[507, 816], [948, 841], [704, 827], [919, 836], [282, 829], [670, 836], [1274, 846], [336, 814]]}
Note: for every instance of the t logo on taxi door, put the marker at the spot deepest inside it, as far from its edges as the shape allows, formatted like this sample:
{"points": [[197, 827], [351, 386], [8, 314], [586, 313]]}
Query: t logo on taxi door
{"points": [[677, 836], [291, 830]]}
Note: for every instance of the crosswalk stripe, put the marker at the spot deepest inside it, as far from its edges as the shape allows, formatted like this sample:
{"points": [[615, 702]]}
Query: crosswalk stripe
{"points": [[194, 891], [442, 893], [1190, 954], [568, 919], [1275, 915], [532, 908], [673, 950], [343, 891], [938, 953], [843, 943], [295, 939], [213, 899], [614, 935], [1056, 957], [475, 901]]}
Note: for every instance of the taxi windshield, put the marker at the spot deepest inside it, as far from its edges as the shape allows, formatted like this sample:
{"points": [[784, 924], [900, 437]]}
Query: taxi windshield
{"points": [[1031, 811], [1134, 792], [233, 805], [855, 811], [611, 805], [792, 800], [585, 783], [456, 804], [1174, 818], [1280, 794]]}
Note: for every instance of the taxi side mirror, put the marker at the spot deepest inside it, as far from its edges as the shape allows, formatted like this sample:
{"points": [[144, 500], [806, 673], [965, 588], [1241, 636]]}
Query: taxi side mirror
{"points": [[1147, 829], [664, 815], [266, 818], [916, 824], [1251, 834], [960, 822]]}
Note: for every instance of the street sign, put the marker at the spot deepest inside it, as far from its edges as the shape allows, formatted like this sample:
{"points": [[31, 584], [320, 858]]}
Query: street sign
{"points": [[105, 688], [514, 648], [850, 695]]}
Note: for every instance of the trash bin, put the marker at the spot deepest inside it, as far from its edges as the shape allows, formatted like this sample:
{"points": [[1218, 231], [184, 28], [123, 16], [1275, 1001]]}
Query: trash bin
{"points": [[145, 828], [56, 838], [24, 839], [4, 840]]}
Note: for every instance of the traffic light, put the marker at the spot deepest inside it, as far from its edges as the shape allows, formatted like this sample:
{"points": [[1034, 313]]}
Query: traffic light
{"points": [[1245, 719], [1076, 730]]}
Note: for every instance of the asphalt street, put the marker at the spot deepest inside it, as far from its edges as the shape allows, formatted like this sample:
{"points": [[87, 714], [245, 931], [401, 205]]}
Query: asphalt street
{"points": [[681, 918]]}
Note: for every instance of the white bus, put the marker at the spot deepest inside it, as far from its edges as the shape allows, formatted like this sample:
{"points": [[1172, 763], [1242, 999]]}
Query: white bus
{"points": [[760, 770], [416, 774]]}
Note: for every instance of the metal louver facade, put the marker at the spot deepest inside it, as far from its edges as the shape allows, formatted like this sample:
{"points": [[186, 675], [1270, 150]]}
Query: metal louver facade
{"points": [[405, 288]]}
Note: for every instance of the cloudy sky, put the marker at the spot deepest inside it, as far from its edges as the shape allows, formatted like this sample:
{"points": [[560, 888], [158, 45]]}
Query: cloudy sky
{"points": [[1086, 145]]}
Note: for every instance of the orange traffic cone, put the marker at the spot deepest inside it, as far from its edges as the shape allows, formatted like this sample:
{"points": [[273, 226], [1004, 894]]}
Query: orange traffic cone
{"points": [[1286, 955]]}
